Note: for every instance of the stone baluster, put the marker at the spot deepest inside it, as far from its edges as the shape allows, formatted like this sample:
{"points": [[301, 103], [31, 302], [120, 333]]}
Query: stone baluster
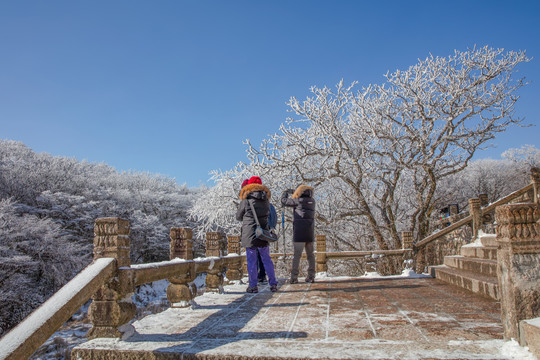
{"points": [[475, 209], [518, 264], [111, 306], [453, 209], [214, 275], [320, 259], [179, 293], [234, 271]]}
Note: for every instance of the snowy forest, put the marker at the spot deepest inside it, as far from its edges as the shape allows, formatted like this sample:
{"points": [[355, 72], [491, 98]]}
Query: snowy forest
{"points": [[382, 159], [48, 206]]}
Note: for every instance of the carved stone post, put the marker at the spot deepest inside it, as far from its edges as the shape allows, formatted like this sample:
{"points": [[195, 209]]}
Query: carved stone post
{"points": [[234, 271], [475, 209], [535, 180], [406, 239], [407, 243], [181, 243], [518, 264], [214, 275], [109, 308], [215, 244], [179, 293], [321, 265], [484, 200], [453, 209]]}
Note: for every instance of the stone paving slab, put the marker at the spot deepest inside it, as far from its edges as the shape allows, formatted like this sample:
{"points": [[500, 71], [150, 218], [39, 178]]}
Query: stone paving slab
{"points": [[362, 318]]}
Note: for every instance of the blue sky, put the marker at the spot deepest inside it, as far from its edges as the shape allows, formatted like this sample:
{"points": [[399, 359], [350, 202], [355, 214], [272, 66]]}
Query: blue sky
{"points": [[174, 87]]}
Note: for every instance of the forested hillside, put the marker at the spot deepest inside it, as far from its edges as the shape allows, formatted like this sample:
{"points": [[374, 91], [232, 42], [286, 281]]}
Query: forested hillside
{"points": [[48, 205]]}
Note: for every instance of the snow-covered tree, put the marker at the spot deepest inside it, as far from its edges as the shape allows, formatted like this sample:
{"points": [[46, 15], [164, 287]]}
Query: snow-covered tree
{"points": [[495, 178], [526, 157], [52, 202], [376, 155], [36, 259]]}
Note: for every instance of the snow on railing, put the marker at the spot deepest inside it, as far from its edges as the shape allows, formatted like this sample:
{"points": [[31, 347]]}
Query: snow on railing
{"points": [[111, 279], [25, 338]]}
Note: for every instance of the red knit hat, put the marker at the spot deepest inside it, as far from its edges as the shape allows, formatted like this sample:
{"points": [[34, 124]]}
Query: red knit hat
{"points": [[245, 182], [255, 180]]}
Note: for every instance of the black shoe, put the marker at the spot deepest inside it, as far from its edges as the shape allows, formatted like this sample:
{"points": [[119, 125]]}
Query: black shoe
{"points": [[293, 281], [263, 282], [310, 279], [273, 288], [252, 290]]}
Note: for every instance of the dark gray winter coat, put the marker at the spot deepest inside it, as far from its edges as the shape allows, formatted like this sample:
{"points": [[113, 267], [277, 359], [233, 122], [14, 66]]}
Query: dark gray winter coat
{"points": [[304, 213], [260, 196]]}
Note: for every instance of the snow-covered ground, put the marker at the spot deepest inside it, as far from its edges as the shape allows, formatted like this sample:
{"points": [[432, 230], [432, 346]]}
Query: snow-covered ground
{"points": [[278, 325]]}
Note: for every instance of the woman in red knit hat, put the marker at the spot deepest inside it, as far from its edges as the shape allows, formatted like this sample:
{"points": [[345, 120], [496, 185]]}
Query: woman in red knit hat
{"points": [[258, 195]]}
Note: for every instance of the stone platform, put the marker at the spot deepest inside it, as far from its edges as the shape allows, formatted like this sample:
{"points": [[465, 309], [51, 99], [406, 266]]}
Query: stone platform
{"points": [[334, 318]]}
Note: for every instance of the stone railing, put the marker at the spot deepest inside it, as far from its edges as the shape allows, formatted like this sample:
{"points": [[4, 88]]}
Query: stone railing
{"points": [[477, 216], [111, 278], [377, 259]]}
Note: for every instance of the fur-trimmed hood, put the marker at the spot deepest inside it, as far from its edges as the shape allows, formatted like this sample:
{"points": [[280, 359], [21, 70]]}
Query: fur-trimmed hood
{"points": [[248, 189], [300, 190]]}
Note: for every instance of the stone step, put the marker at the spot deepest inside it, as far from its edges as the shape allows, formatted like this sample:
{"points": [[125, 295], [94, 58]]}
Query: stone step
{"points": [[488, 240], [529, 334], [478, 284], [473, 265], [480, 252]]}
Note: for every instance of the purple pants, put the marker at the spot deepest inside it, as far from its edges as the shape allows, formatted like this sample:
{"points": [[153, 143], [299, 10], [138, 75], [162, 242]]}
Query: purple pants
{"points": [[251, 255]]}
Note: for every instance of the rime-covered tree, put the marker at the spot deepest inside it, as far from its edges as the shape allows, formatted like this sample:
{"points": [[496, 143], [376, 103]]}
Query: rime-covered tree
{"points": [[495, 178], [31, 263], [376, 155]]}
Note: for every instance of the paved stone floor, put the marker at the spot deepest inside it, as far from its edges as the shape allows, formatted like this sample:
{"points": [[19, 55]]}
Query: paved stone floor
{"points": [[361, 318]]}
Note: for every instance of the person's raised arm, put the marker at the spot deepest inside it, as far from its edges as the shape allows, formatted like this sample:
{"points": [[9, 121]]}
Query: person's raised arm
{"points": [[286, 200]]}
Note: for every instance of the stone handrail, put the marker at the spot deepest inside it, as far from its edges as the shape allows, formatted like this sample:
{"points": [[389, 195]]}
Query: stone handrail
{"points": [[110, 279], [322, 256], [465, 221], [358, 254], [27, 337], [491, 207], [147, 273], [475, 214]]}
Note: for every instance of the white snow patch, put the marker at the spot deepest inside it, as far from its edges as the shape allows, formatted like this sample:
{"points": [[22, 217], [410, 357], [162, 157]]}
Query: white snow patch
{"points": [[478, 241], [513, 350], [534, 322]]}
